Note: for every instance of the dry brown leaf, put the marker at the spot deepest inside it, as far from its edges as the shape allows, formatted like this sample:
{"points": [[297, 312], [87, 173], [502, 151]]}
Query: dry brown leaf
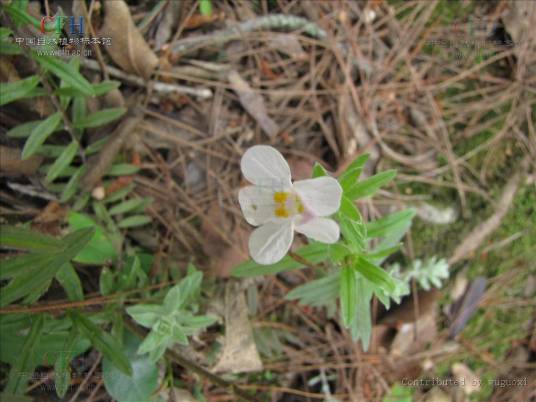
{"points": [[223, 256], [11, 163], [198, 20], [253, 103], [128, 47], [240, 353], [405, 344]]}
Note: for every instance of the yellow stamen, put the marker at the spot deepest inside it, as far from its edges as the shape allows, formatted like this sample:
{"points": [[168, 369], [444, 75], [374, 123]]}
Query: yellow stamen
{"points": [[281, 212], [287, 204], [280, 196]]}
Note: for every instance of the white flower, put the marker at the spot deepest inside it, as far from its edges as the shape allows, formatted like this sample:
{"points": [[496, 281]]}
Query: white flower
{"points": [[280, 207]]}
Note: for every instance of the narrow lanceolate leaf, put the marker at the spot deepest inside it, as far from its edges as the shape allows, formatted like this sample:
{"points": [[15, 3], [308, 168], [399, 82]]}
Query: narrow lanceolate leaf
{"points": [[369, 186], [123, 169], [390, 223], [315, 253], [62, 162], [349, 177], [349, 209], [23, 130], [361, 328], [34, 277], [19, 374], [39, 134], [354, 233], [135, 220], [348, 296], [320, 292], [100, 118], [66, 73], [72, 185], [62, 375], [102, 341], [130, 205], [11, 91], [375, 274], [104, 87], [11, 267], [25, 239], [69, 280]]}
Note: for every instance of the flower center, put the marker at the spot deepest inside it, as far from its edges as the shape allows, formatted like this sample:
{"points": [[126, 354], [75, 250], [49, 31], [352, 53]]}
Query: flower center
{"points": [[287, 204]]}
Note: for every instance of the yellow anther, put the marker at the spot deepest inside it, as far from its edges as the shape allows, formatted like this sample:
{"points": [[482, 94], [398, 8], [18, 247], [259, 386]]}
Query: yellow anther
{"points": [[281, 212], [280, 196]]}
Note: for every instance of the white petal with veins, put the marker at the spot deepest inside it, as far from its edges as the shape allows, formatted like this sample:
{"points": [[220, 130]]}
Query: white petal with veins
{"points": [[257, 204], [265, 166], [320, 229], [269, 243], [321, 196]]}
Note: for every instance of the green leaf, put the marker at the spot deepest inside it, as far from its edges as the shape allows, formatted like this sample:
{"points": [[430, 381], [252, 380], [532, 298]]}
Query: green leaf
{"points": [[14, 266], [66, 72], [96, 146], [62, 374], [349, 177], [99, 249], [179, 294], [319, 292], [369, 186], [354, 233], [348, 296], [319, 171], [104, 87], [63, 161], [314, 252], [23, 130], [12, 91], [146, 314], [69, 280], [144, 380], [375, 274], [130, 205], [349, 209], [100, 118], [33, 278], [7, 47], [362, 326], [102, 341], [133, 221], [390, 223], [25, 239], [123, 169], [106, 281], [22, 367], [39, 134], [17, 11], [72, 185], [205, 7]]}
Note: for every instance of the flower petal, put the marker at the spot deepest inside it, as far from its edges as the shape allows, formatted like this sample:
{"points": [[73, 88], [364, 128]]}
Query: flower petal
{"points": [[265, 166], [321, 196], [321, 229], [269, 243], [257, 204]]}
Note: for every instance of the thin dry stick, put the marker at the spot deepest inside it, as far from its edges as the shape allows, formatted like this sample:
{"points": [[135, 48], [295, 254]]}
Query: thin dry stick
{"points": [[86, 379]]}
